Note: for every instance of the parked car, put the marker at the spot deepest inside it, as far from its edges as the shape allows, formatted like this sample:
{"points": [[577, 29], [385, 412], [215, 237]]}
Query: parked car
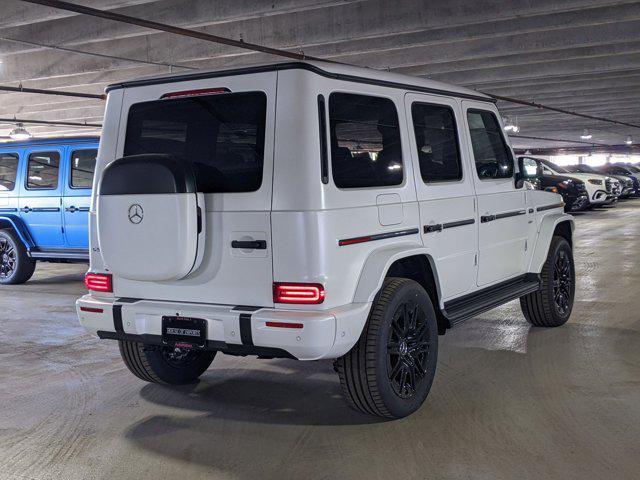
{"points": [[598, 185], [353, 216], [573, 191], [626, 171], [626, 184], [45, 190]]}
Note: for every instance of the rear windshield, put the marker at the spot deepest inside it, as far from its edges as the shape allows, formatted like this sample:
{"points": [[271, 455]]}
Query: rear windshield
{"points": [[221, 135]]}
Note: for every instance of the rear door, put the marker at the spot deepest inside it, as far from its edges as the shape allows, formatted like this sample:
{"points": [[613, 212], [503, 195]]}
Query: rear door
{"points": [[77, 194], [445, 190], [223, 128], [40, 202], [502, 209]]}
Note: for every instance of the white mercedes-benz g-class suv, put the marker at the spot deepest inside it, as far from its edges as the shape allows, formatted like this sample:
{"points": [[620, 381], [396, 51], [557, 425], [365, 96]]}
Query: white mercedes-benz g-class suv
{"points": [[312, 211]]}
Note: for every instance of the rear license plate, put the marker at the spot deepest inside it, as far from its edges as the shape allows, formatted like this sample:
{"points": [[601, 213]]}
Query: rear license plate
{"points": [[184, 331]]}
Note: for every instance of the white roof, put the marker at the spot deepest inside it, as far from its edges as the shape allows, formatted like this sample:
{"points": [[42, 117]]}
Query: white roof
{"points": [[329, 67]]}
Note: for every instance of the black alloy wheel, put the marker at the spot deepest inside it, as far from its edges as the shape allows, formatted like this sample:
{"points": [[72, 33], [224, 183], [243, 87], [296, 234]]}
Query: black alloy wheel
{"points": [[408, 349], [7, 259]]}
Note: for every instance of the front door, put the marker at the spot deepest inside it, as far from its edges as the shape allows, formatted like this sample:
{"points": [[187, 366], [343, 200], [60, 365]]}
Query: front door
{"points": [[40, 199], [502, 209], [77, 194], [445, 190]]}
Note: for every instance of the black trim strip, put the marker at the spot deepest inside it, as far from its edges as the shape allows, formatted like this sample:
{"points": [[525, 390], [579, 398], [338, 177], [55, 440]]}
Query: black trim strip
{"points": [[459, 223], [245, 329], [296, 66], [8, 210], [324, 156], [43, 209], [515, 213], [550, 207], [379, 236], [117, 318], [212, 345]]}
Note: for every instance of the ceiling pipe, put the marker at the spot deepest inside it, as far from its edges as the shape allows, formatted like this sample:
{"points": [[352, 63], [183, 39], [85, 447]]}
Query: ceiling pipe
{"points": [[49, 122], [62, 93]]}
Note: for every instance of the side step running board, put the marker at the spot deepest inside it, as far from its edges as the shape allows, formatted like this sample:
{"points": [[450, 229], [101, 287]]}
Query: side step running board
{"points": [[463, 308]]}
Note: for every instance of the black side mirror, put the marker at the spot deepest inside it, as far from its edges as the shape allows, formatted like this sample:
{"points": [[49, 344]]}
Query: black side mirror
{"points": [[520, 175]]}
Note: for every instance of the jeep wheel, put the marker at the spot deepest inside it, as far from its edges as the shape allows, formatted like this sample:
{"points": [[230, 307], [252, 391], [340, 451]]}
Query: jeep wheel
{"points": [[551, 305], [390, 370], [173, 366], [15, 265]]}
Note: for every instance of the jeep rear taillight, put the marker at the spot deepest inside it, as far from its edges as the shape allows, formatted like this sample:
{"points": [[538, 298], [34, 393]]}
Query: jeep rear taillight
{"points": [[99, 282], [300, 293]]}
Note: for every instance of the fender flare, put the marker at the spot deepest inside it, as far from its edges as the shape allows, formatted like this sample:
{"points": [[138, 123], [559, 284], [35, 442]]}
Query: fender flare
{"points": [[377, 265], [543, 239], [18, 226]]}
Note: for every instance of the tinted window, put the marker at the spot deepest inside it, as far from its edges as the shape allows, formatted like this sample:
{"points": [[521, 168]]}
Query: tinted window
{"points": [[492, 156], [222, 136], [83, 164], [437, 142], [8, 171], [42, 170], [365, 141]]}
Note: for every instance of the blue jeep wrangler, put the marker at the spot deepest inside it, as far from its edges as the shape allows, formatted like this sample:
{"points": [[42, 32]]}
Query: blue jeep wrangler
{"points": [[45, 192]]}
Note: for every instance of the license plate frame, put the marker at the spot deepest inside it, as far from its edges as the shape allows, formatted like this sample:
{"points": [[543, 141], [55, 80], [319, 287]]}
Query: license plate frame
{"points": [[184, 331]]}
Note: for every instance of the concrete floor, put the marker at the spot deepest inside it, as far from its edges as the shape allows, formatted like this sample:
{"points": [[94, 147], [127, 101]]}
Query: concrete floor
{"points": [[508, 402]]}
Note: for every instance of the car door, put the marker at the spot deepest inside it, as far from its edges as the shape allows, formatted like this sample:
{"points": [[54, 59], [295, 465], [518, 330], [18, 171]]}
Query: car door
{"points": [[502, 209], [77, 194], [40, 198], [445, 190]]}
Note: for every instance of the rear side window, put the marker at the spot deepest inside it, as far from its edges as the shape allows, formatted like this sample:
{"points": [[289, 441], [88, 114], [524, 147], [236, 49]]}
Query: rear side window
{"points": [[8, 171], [492, 156], [83, 165], [42, 170], [437, 142], [222, 136], [365, 141]]}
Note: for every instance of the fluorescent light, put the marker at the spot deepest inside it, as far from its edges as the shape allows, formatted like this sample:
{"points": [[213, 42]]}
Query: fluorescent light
{"points": [[20, 133], [510, 126], [628, 141], [586, 135]]}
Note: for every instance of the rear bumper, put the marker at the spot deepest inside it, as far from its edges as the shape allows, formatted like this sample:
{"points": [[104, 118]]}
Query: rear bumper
{"points": [[234, 330]]}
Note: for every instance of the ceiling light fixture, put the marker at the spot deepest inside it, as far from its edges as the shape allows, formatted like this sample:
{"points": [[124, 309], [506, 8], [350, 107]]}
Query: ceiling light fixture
{"points": [[586, 135], [511, 126], [20, 133], [628, 141]]}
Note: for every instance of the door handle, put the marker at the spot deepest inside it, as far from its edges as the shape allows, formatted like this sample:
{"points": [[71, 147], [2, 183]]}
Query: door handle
{"points": [[25, 209], [487, 218], [71, 209], [249, 244]]}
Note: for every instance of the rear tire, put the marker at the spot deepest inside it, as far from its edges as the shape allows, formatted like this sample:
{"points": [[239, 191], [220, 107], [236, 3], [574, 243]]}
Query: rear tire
{"points": [[551, 304], [390, 370], [15, 265], [164, 365]]}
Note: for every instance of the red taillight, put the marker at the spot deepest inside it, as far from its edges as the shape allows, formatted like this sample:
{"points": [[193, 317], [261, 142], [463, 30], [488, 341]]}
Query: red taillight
{"points": [[353, 241], [195, 93], [306, 293], [91, 310], [98, 282]]}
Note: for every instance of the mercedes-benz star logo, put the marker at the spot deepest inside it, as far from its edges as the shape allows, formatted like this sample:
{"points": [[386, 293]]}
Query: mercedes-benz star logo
{"points": [[136, 213]]}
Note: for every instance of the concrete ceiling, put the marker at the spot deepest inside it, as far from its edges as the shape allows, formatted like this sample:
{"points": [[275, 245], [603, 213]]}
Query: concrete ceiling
{"points": [[581, 55]]}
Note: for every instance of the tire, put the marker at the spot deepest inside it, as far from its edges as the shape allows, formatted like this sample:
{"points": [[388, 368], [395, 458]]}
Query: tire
{"points": [[367, 370], [154, 364], [15, 265], [540, 308]]}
